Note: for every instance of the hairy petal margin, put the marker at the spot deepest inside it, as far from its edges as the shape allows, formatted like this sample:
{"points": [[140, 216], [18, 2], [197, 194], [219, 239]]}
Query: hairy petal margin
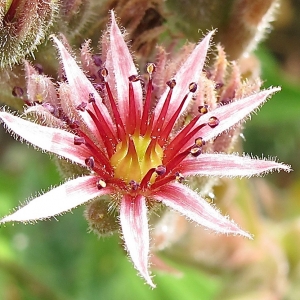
{"points": [[58, 200], [228, 165], [134, 222], [190, 204]]}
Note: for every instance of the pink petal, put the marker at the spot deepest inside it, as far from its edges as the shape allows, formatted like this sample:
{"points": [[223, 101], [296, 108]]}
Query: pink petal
{"points": [[50, 139], [232, 113], [188, 73], [121, 62], [134, 222], [60, 199], [228, 165], [189, 203], [81, 87]]}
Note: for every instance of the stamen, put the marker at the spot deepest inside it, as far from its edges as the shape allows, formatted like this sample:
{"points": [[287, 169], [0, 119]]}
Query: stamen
{"points": [[182, 138], [199, 142], [132, 116], [78, 140], [171, 83], [73, 124], [161, 119], [97, 153], [146, 180], [90, 162], [162, 181], [193, 87], [160, 170], [203, 109], [146, 109], [179, 177], [133, 185], [213, 122], [176, 160], [118, 120], [97, 60], [81, 106], [92, 98], [101, 184], [196, 150], [167, 130], [151, 68], [107, 136]]}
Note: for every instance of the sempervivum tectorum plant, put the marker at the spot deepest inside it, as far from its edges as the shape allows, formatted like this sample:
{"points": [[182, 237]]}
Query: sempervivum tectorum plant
{"points": [[133, 149]]}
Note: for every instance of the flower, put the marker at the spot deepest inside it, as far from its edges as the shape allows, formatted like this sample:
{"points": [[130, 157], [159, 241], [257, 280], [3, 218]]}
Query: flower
{"points": [[137, 152]]}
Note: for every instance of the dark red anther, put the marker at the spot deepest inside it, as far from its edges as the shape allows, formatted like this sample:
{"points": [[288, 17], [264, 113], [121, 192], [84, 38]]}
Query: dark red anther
{"points": [[134, 78], [101, 184], [199, 142], [171, 83], [81, 106], [98, 87], [196, 150], [193, 87], [90, 162], [213, 122], [160, 170], [73, 124], [78, 140], [91, 98], [97, 60], [203, 109], [179, 177], [133, 185], [17, 92]]}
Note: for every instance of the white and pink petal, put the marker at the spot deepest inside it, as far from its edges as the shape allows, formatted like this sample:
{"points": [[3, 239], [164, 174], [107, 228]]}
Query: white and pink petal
{"points": [[232, 113], [58, 200], [189, 72], [134, 223], [81, 87], [54, 140], [182, 199], [228, 165], [120, 65]]}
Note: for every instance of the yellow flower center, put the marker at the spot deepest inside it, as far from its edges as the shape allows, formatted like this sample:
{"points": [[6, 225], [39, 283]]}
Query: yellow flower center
{"points": [[135, 157]]}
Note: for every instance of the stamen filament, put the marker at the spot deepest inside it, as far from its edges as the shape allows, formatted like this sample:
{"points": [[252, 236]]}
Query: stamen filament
{"points": [[180, 136], [180, 144], [161, 119], [145, 181], [146, 109], [132, 116], [106, 140], [118, 120], [162, 181], [98, 155], [167, 130]]}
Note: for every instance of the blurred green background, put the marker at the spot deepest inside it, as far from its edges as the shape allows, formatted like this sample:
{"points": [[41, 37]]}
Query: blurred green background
{"points": [[60, 260]]}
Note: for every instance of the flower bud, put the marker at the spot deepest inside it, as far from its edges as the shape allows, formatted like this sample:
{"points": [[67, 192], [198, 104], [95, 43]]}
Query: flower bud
{"points": [[23, 27]]}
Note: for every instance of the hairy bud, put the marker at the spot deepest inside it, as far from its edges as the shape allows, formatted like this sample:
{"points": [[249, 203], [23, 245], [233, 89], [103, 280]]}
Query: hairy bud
{"points": [[23, 27]]}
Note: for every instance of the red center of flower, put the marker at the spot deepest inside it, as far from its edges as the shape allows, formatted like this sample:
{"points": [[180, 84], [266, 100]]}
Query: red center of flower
{"points": [[140, 154]]}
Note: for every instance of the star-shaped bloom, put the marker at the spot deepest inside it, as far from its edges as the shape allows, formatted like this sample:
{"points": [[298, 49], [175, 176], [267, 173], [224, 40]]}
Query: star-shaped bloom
{"points": [[135, 149]]}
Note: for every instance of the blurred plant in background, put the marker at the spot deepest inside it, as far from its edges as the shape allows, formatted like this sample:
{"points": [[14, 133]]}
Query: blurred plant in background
{"points": [[45, 262]]}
